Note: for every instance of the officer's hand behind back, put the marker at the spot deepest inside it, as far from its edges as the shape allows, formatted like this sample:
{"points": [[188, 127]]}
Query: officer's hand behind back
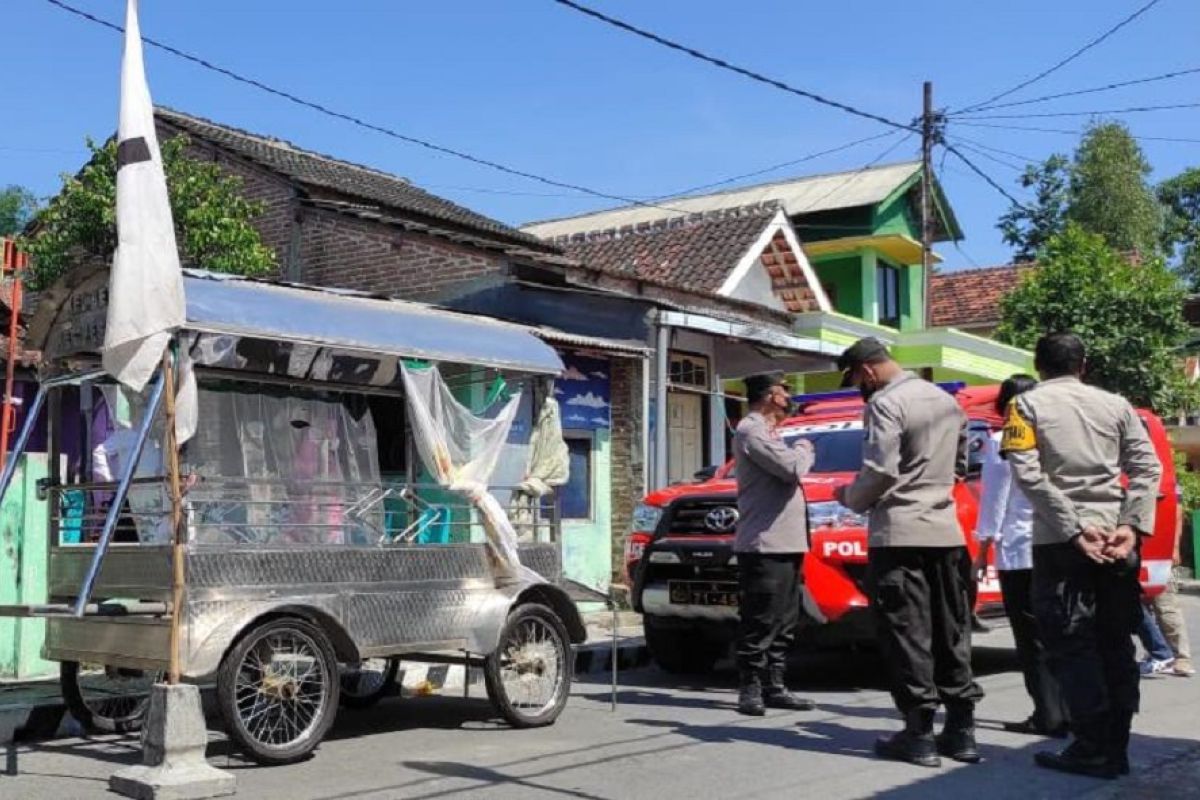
{"points": [[1093, 543]]}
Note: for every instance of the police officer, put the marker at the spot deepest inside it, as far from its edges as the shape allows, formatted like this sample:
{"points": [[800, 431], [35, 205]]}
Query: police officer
{"points": [[771, 539], [1068, 445], [920, 570]]}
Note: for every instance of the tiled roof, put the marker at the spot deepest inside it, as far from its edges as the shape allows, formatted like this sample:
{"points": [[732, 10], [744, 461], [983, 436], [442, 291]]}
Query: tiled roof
{"points": [[695, 253], [315, 170], [971, 297]]}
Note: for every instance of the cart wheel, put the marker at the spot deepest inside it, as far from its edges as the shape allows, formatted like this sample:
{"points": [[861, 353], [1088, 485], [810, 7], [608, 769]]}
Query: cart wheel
{"points": [[278, 690], [366, 682], [528, 677], [107, 701]]}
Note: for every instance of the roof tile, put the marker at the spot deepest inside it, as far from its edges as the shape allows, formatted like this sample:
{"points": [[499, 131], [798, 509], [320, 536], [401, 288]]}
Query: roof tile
{"points": [[971, 297]]}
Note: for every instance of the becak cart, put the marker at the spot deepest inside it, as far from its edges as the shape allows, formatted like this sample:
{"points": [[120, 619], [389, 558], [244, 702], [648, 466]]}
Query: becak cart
{"points": [[336, 510]]}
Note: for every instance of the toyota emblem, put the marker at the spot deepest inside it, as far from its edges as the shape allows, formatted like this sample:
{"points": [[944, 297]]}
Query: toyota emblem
{"points": [[721, 520]]}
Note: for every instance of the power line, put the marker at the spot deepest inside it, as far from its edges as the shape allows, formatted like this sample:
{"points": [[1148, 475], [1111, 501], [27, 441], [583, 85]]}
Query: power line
{"points": [[723, 64], [292, 98], [1131, 110], [855, 175], [990, 157], [991, 181], [1001, 151], [774, 167], [1069, 132], [1093, 90], [1067, 60]]}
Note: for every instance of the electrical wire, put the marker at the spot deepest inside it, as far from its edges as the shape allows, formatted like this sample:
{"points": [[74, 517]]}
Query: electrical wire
{"points": [[1105, 112], [774, 167], [988, 178], [725, 65], [1105, 88], [1001, 151], [1044, 73], [389, 132], [1069, 132], [855, 175], [989, 156]]}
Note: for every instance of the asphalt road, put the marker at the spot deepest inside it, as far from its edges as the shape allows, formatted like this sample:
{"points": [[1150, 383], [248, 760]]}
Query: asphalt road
{"points": [[668, 739]]}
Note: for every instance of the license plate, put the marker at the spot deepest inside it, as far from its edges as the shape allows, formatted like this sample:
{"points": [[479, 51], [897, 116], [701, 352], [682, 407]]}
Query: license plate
{"points": [[700, 593]]}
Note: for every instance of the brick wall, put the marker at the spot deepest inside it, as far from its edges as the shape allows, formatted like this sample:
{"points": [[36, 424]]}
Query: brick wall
{"points": [[338, 250], [627, 462]]}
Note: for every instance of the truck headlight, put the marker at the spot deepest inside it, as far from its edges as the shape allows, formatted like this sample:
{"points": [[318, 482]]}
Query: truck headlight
{"points": [[832, 514], [646, 517]]}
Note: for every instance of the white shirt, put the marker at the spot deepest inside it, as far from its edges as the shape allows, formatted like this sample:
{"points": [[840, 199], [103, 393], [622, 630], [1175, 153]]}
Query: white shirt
{"points": [[1005, 515]]}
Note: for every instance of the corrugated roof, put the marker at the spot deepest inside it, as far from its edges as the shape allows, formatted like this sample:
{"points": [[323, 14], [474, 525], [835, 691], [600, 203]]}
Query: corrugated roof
{"points": [[798, 196], [317, 170]]}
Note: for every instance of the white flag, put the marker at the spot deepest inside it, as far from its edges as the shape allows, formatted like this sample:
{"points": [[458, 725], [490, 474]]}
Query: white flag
{"points": [[145, 293]]}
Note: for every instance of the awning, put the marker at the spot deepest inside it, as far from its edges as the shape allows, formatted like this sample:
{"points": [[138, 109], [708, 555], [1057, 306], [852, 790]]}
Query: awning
{"points": [[621, 347], [336, 320]]}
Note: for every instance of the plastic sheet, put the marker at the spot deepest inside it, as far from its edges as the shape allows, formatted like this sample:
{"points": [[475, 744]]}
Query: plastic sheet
{"points": [[460, 450]]}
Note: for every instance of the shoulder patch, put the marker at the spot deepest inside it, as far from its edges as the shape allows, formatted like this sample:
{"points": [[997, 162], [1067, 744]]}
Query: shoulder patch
{"points": [[1018, 434]]}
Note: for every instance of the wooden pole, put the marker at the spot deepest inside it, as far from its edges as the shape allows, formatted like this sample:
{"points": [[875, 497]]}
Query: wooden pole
{"points": [[927, 199], [177, 532]]}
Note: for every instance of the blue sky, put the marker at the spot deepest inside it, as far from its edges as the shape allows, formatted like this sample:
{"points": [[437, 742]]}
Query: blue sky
{"points": [[535, 86]]}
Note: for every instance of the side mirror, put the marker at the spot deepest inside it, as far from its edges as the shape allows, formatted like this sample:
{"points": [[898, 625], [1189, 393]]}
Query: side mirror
{"points": [[706, 474]]}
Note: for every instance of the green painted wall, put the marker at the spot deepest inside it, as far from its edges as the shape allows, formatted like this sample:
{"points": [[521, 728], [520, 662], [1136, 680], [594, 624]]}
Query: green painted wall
{"points": [[912, 293], [870, 287], [836, 224], [587, 544], [23, 532], [895, 216], [843, 274]]}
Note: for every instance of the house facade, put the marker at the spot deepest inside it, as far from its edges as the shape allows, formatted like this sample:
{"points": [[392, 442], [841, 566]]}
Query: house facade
{"points": [[859, 234]]}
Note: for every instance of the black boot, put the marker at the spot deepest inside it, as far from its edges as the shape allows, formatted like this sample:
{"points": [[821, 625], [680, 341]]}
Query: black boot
{"points": [[957, 739], [776, 694], [750, 694], [1080, 758], [915, 744]]}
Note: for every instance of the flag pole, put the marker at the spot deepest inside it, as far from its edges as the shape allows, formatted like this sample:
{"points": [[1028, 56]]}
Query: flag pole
{"points": [[177, 530]]}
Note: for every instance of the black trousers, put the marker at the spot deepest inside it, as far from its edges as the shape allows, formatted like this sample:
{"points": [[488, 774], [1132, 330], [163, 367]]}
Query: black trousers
{"points": [[769, 608], [1087, 614], [1049, 708], [921, 602]]}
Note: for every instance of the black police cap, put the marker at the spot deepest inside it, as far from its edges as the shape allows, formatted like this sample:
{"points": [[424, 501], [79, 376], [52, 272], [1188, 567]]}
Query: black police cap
{"points": [[757, 386], [868, 350]]}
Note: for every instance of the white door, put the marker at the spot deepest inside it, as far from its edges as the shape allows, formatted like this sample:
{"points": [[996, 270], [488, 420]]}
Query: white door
{"points": [[685, 436]]}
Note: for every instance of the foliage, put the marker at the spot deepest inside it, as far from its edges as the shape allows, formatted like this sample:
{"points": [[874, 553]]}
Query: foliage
{"points": [[1109, 193], [1180, 197], [1103, 189], [17, 207], [212, 219], [1189, 482], [1129, 316], [1028, 228]]}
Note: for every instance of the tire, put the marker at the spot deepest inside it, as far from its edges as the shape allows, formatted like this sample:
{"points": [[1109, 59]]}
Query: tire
{"points": [[681, 651], [534, 649], [363, 688], [258, 688], [112, 702]]}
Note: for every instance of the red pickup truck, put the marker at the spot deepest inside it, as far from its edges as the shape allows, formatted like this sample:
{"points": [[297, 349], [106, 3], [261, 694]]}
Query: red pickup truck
{"points": [[683, 573]]}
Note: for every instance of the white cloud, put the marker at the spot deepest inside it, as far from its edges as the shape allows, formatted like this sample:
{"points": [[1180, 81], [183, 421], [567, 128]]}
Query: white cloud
{"points": [[601, 375], [572, 374], [576, 418], [589, 400], [600, 420], [558, 391]]}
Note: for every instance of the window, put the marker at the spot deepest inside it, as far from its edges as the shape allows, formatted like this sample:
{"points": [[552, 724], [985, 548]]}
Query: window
{"points": [[689, 371], [576, 495], [887, 295]]}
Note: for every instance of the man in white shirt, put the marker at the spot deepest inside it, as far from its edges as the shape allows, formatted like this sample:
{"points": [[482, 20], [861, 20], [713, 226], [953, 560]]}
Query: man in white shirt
{"points": [[1005, 526]]}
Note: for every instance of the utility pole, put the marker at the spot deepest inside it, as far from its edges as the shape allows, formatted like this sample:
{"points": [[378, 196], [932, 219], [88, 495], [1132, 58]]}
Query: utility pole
{"points": [[927, 134]]}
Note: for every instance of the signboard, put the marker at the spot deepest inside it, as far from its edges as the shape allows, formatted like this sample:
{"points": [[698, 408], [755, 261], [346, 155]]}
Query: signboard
{"points": [[79, 325], [584, 393]]}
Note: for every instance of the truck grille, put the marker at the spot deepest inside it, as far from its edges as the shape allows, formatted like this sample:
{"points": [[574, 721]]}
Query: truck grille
{"points": [[689, 517]]}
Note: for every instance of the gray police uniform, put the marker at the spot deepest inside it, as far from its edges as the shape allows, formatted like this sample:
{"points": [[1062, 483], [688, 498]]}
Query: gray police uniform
{"points": [[1069, 444], [772, 537], [920, 571]]}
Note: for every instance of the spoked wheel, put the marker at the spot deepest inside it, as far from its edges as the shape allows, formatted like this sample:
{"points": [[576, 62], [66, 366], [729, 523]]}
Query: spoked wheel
{"points": [[278, 691], [528, 677], [367, 682], [107, 700]]}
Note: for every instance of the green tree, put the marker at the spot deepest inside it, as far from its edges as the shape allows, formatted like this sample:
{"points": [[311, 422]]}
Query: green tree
{"points": [[17, 206], [212, 219], [1109, 193], [1128, 315], [1028, 228], [1103, 189], [1180, 197]]}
